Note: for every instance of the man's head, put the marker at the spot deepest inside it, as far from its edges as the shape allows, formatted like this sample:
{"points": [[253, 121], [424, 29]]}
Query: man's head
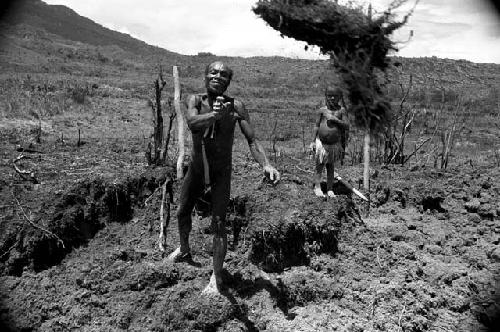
{"points": [[333, 95], [217, 77]]}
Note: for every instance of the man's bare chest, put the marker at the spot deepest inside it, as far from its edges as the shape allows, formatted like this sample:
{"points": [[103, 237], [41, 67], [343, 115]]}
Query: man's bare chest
{"points": [[224, 126]]}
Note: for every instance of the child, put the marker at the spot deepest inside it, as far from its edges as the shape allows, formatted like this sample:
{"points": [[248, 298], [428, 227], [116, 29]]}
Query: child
{"points": [[328, 135]]}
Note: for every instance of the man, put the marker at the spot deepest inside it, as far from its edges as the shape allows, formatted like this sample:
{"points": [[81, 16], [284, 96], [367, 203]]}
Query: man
{"points": [[211, 117], [329, 139]]}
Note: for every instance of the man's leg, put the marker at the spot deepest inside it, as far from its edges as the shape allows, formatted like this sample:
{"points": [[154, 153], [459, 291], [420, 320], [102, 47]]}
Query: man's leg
{"points": [[192, 187], [220, 199]]}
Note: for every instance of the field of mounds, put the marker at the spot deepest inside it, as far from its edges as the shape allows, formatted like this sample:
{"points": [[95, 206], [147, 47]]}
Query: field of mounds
{"points": [[79, 245], [79, 227]]}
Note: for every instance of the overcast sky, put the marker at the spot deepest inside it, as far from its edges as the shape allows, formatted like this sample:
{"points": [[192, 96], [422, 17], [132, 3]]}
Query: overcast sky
{"points": [[457, 29]]}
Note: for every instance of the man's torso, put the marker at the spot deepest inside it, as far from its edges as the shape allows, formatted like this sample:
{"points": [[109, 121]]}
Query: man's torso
{"points": [[219, 141]]}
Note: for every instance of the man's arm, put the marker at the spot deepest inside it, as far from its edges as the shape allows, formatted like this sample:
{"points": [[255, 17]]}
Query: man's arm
{"points": [[256, 148], [196, 121]]}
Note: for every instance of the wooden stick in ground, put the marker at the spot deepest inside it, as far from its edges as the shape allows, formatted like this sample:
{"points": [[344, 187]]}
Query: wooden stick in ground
{"points": [[180, 123], [366, 168], [366, 164], [165, 213]]}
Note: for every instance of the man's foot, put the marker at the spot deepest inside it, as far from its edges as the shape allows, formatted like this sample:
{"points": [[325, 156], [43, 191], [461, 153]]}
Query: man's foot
{"points": [[318, 192], [331, 194], [177, 256], [213, 288]]}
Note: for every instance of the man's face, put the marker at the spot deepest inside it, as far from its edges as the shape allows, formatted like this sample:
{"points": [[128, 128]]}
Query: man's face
{"points": [[217, 78]]}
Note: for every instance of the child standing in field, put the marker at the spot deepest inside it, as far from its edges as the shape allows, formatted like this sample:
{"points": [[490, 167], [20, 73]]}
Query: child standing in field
{"points": [[329, 139]]}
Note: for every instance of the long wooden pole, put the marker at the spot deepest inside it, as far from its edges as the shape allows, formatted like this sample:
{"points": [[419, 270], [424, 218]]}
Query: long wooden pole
{"points": [[366, 147], [366, 155], [366, 170], [180, 122]]}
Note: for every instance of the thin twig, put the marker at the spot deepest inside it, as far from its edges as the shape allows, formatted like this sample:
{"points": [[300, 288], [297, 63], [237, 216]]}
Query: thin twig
{"points": [[416, 149], [378, 259], [374, 303], [401, 314], [151, 196], [304, 170], [293, 158], [36, 225], [8, 250]]}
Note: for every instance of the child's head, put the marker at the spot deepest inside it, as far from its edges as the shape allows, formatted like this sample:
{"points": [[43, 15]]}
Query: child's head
{"points": [[333, 95]]}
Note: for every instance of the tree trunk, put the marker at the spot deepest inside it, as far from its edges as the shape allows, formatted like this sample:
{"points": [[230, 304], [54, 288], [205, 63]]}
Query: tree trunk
{"points": [[180, 122]]}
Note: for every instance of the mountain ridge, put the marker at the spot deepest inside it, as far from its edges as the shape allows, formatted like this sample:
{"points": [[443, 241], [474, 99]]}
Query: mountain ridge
{"points": [[37, 37], [65, 22]]}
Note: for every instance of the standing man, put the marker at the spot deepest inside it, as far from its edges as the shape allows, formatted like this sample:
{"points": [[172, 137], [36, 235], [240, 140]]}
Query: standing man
{"points": [[329, 137], [211, 117]]}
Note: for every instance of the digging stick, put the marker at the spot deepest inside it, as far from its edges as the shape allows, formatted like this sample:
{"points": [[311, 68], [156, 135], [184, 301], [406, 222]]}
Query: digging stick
{"points": [[165, 213], [351, 188], [162, 241]]}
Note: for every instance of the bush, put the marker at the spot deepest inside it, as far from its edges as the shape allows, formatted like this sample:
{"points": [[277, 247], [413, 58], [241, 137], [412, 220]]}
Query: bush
{"points": [[78, 94]]}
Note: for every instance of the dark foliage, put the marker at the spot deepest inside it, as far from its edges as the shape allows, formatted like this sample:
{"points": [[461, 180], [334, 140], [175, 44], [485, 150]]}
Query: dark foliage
{"points": [[357, 43], [332, 27]]}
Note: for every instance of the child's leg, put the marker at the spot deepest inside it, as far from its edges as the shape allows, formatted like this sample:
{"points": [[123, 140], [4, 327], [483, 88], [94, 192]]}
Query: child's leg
{"points": [[334, 154], [317, 178], [330, 177]]}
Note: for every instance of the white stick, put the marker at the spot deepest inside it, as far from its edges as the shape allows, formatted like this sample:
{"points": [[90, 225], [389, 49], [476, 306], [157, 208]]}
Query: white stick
{"points": [[162, 240], [180, 122]]}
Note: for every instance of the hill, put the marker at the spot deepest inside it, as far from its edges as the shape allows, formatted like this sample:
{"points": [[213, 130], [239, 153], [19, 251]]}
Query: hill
{"points": [[64, 22], [36, 37]]}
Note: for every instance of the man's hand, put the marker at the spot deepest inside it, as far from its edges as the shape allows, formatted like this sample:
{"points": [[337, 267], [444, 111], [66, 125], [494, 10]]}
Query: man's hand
{"points": [[221, 107], [272, 173], [217, 115]]}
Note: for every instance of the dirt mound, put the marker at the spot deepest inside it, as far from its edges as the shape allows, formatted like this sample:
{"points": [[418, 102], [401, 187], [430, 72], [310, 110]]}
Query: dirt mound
{"points": [[69, 219], [286, 230], [404, 268], [283, 226]]}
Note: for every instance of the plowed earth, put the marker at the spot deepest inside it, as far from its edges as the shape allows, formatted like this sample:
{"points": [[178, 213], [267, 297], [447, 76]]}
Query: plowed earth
{"points": [[78, 251]]}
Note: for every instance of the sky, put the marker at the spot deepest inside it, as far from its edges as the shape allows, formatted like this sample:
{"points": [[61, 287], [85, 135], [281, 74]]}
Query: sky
{"points": [[455, 29]]}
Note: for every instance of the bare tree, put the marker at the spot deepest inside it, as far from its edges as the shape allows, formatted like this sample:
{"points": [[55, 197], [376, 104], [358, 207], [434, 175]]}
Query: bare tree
{"points": [[157, 149], [153, 152]]}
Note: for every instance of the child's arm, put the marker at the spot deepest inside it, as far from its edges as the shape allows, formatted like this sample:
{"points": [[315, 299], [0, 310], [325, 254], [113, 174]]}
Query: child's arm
{"points": [[316, 126]]}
